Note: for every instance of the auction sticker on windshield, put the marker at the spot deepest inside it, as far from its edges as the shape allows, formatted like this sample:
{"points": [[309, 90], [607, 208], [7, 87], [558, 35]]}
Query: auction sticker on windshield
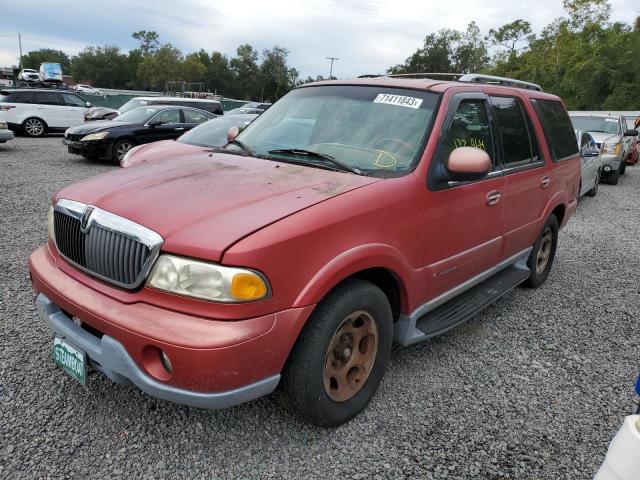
{"points": [[72, 360], [399, 100]]}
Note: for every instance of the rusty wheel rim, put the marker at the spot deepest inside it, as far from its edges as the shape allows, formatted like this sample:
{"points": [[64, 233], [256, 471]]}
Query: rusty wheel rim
{"points": [[544, 253], [350, 356]]}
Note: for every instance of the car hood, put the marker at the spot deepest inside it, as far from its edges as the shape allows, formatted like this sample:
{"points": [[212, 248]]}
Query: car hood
{"points": [[86, 128], [600, 137], [100, 112], [203, 204], [159, 151]]}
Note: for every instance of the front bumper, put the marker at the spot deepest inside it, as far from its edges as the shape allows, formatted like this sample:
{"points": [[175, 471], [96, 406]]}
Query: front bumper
{"points": [[6, 135], [95, 149], [107, 355], [611, 163], [216, 363]]}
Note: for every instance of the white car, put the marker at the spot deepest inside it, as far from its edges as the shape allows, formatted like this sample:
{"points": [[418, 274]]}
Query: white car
{"points": [[36, 112], [28, 75], [591, 164], [80, 88]]}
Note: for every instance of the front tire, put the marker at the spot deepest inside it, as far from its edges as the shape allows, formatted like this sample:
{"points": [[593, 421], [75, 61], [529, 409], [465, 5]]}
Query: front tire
{"points": [[543, 253], [120, 149], [613, 177], [341, 355], [34, 127]]}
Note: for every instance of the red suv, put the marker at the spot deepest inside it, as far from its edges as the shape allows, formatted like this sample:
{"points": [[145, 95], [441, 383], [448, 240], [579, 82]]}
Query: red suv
{"points": [[349, 216]]}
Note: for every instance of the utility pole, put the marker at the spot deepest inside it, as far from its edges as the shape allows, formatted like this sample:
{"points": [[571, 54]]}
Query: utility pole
{"points": [[20, 59], [331, 67]]}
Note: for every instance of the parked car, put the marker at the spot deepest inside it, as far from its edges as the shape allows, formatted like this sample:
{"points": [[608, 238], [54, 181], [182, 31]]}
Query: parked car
{"points": [[591, 164], [622, 461], [633, 123], [104, 113], [348, 216], [612, 136], [249, 108], [81, 88], [50, 73], [112, 139], [5, 133], [28, 75], [36, 112], [202, 138]]}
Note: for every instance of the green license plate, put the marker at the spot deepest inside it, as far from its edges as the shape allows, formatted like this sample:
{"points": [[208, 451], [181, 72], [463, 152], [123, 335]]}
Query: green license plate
{"points": [[71, 359]]}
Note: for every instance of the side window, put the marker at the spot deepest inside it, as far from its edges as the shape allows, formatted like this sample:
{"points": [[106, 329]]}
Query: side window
{"points": [[557, 127], [193, 116], [514, 131], [168, 116], [72, 100], [48, 98], [469, 128]]}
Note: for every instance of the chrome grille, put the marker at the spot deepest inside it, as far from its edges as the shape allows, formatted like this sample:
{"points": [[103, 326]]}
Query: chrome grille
{"points": [[105, 245]]}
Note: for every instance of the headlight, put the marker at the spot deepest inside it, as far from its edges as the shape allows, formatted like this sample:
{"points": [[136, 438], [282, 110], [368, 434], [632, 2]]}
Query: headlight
{"points": [[66, 132], [127, 155], [207, 280], [611, 148], [50, 227], [94, 136], [3, 125]]}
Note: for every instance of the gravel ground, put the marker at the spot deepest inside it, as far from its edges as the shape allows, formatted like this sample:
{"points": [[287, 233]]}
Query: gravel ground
{"points": [[534, 388]]}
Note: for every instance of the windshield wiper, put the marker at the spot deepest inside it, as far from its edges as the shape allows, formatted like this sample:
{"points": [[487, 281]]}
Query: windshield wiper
{"points": [[320, 156], [241, 145]]}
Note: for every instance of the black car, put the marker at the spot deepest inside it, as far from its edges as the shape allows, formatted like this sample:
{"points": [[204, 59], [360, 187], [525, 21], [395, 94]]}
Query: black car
{"points": [[249, 108], [112, 139]]}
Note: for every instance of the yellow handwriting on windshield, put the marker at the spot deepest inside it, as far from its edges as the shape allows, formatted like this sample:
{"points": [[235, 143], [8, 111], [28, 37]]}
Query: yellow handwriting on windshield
{"points": [[385, 160], [472, 142]]}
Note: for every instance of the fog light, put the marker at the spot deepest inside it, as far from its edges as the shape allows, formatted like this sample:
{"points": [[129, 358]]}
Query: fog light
{"points": [[607, 168], [166, 363]]}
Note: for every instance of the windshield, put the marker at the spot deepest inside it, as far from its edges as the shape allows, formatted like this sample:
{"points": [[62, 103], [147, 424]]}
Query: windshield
{"points": [[597, 124], [214, 132], [137, 115], [131, 104], [376, 130]]}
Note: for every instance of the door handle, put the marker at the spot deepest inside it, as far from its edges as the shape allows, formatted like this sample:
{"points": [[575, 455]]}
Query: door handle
{"points": [[545, 181], [179, 129], [493, 198]]}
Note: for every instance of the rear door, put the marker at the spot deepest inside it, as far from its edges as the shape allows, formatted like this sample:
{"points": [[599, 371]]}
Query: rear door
{"points": [[49, 107], [76, 107], [527, 176], [463, 220]]}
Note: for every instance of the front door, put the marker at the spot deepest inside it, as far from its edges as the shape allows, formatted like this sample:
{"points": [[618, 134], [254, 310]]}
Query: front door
{"points": [[76, 107], [463, 220], [170, 126]]}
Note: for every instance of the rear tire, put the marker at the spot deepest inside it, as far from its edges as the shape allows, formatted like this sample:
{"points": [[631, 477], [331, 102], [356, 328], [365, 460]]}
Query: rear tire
{"points": [[34, 127], [341, 355], [594, 191], [544, 252]]}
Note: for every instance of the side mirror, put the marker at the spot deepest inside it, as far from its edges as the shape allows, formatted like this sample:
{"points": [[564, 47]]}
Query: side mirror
{"points": [[468, 163], [155, 123], [232, 133], [88, 104], [631, 133], [590, 152]]}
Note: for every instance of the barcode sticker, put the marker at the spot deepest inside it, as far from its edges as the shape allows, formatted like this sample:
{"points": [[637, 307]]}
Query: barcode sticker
{"points": [[399, 100]]}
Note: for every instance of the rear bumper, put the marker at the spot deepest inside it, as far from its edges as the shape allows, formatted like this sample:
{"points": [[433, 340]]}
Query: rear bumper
{"points": [[215, 363]]}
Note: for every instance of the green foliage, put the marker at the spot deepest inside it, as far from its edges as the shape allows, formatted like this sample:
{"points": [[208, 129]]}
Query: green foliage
{"points": [[592, 63], [45, 55]]}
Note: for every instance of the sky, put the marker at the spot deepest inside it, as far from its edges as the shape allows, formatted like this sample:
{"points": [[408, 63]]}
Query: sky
{"points": [[367, 36]]}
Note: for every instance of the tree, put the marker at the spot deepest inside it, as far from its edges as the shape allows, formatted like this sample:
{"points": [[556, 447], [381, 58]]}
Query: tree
{"points": [[149, 41], [220, 78], [34, 58], [154, 71], [105, 66], [192, 69], [275, 77], [245, 68], [513, 37]]}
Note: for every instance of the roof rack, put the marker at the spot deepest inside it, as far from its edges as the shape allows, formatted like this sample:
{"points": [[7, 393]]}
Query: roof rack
{"points": [[472, 78]]}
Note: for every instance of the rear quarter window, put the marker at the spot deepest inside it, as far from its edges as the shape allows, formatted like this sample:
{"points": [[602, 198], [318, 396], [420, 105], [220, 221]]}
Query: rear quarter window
{"points": [[558, 129]]}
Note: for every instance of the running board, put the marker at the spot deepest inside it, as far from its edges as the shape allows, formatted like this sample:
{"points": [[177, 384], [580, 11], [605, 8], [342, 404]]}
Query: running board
{"points": [[461, 308]]}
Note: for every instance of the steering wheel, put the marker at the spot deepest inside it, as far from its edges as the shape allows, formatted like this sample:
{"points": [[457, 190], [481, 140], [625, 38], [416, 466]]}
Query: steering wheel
{"points": [[402, 143]]}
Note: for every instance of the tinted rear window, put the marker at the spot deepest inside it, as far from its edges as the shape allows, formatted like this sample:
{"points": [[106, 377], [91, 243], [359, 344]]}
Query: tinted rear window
{"points": [[558, 129]]}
